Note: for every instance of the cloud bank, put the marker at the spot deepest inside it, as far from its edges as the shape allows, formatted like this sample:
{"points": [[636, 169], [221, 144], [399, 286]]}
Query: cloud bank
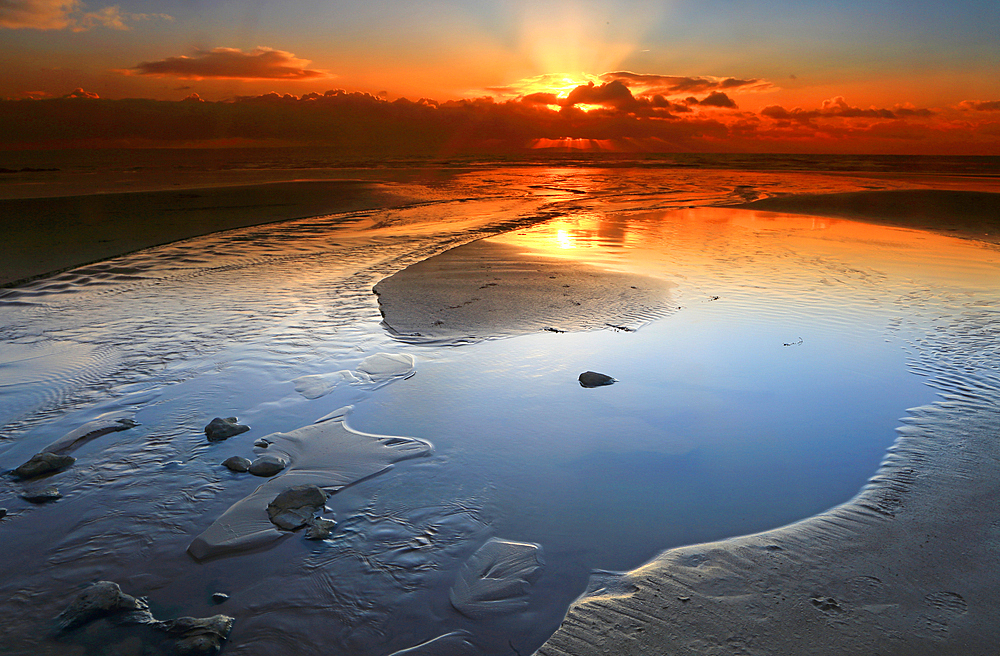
{"points": [[606, 117], [231, 63]]}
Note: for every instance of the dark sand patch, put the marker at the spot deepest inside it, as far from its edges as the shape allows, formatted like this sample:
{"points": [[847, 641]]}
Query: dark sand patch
{"points": [[46, 235], [486, 289], [967, 214]]}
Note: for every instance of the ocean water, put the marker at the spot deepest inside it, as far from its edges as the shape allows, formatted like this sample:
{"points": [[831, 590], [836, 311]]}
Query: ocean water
{"points": [[771, 391]]}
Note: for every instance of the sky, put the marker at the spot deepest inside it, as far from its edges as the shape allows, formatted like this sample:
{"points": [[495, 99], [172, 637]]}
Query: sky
{"points": [[847, 76]]}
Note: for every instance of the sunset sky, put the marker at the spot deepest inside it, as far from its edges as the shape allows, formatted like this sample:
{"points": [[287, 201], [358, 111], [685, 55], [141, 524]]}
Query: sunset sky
{"points": [[889, 76]]}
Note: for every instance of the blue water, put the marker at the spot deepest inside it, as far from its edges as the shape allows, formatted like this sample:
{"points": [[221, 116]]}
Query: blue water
{"points": [[771, 394]]}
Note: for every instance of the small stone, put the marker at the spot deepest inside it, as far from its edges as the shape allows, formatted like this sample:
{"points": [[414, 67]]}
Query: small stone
{"points": [[3, 513], [222, 429], [594, 379], [236, 464], [320, 528], [42, 495], [267, 466], [220, 598], [296, 506], [261, 443], [43, 463]]}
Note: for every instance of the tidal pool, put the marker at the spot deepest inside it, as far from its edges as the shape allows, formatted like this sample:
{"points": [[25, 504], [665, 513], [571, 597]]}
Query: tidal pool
{"points": [[767, 389]]}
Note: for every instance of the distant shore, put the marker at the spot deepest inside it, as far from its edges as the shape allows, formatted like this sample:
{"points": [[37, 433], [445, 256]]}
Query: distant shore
{"points": [[48, 235], [966, 214]]}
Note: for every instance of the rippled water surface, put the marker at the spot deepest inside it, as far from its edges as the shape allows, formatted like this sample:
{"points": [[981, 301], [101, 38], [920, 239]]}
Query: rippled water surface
{"points": [[771, 392]]}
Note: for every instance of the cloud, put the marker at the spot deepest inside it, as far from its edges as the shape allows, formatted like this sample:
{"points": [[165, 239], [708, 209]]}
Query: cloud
{"points": [[366, 125], [231, 63], [714, 99], [66, 14], [80, 93], [839, 108], [980, 105], [37, 14], [612, 94], [676, 85]]}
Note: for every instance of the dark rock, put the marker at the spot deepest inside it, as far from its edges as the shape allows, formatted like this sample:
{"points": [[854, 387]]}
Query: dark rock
{"points": [[267, 466], [296, 506], [199, 635], [222, 429], [261, 443], [320, 528], [220, 598], [3, 513], [42, 494], [43, 463], [236, 464], [594, 379], [102, 599]]}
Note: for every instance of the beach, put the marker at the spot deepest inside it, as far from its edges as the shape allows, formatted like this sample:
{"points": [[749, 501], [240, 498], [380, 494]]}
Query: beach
{"points": [[901, 568]]}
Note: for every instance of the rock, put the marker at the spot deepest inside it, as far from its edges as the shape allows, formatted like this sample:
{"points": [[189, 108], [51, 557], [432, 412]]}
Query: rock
{"points": [[219, 598], [3, 513], [199, 635], [594, 379], [43, 463], [222, 429], [102, 599], [262, 443], [236, 464], [42, 494], [320, 528], [267, 466], [296, 506]]}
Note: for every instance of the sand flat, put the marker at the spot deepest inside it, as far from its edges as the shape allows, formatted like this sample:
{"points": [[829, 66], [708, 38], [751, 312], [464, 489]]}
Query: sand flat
{"points": [[488, 289]]}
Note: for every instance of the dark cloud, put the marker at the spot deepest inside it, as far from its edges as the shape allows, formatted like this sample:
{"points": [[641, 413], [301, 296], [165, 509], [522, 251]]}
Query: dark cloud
{"points": [[839, 108], [541, 99], [258, 64], [675, 85], [980, 105], [612, 94], [362, 125], [717, 99]]}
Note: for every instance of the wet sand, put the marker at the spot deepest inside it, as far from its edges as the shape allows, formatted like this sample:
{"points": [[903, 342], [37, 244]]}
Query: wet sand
{"points": [[52, 234]]}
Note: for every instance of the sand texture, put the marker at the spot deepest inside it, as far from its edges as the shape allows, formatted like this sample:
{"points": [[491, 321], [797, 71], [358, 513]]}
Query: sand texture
{"points": [[486, 289], [968, 214], [46, 235]]}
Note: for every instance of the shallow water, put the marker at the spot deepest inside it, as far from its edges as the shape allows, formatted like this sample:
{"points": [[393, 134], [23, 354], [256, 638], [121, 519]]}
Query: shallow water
{"points": [[770, 394]]}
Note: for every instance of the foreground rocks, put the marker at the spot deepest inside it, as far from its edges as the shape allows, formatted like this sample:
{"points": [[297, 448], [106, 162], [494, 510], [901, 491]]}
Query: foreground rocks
{"points": [[43, 463], [222, 429], [193, 636], [237, 464], [299, 506]]}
